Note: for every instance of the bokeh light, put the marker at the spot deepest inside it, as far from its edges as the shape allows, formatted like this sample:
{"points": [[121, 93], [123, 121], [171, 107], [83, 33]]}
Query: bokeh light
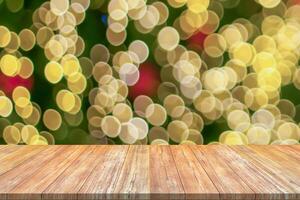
{"points": [[149, 72]]}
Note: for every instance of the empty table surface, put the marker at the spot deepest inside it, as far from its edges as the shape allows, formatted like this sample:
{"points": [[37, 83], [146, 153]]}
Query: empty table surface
{"points": [[149, 172]]}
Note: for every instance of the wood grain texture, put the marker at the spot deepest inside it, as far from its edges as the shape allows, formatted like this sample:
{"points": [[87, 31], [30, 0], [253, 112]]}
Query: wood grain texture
{"points": [[255, 178], [293, 149], [46, 174], [5, 150], [194, 178], [165, 182], [11, 159], [271, 171], [228, 183], [10, 178], [101, 182], [283, 159], [133, 182], [68, 184], [149, 172], [289, 150]]}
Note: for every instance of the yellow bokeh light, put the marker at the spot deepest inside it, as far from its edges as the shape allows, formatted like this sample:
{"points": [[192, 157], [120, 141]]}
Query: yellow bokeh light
{"points": [[10, 65]]}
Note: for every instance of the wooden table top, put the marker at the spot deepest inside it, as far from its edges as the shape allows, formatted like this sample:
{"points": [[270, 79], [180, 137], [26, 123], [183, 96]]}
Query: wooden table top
{"points": [[150, 172]]}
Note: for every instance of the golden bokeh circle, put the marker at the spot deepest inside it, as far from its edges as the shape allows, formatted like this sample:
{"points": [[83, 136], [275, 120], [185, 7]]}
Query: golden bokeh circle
{"points": [[52, 119]]}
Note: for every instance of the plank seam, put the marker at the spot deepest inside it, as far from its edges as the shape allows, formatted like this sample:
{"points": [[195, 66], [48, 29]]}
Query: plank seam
{"points": [[177, 170], [34, 155], [294, 150], [241, 178], [165, 167], [286, 170], [42, 193], [289, 152], [6, 155], [121, 168], [263, 168], [105, 152], [205, 171]]}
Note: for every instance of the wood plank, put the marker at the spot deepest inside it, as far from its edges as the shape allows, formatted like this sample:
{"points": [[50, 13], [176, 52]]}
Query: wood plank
{"points": [[34, 185], [6, 146], [9, 160], [276, 155], [289, 149], [272, 172], [3, 146], [165, 182], [5, 150], [297, 146], [11, 178], [290, 164], [134, 181], [143, 172], [67, 185], [254, 177], [228, 183], [196, 182], [101, 182]]}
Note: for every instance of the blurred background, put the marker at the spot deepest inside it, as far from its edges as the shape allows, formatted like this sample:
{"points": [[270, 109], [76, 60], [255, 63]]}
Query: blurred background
{"points": [[18, 14]]}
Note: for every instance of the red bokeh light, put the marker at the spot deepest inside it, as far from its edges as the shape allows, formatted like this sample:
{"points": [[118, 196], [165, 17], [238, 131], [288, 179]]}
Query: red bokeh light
{"points": [[148, 82], [8, 84], [196, 41]]}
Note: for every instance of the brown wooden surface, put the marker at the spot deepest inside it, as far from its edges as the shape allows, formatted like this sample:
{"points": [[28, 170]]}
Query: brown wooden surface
{"points": [[149, 172], [165, 182]]}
